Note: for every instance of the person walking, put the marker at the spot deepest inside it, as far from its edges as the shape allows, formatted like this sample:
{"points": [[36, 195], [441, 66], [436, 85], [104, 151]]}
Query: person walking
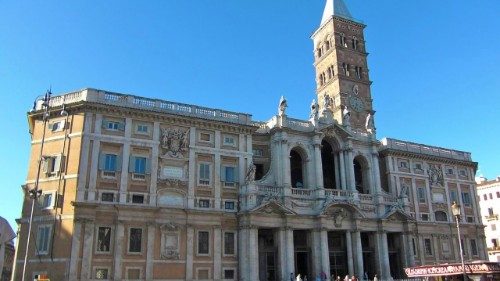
{"points": [[375, 278]]}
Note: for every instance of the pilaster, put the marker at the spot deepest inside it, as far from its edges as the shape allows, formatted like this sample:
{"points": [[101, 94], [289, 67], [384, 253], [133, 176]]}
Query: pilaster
{"points": [[75, 250], [125, 161], [350, 259], [150, 250], [217, 253], [88, 240], [189, 252], [154, 164], [119, 238], [192, 167]]}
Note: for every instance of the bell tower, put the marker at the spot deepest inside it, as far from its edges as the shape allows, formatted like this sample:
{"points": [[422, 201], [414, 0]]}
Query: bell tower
{"points": [[342, 81]]}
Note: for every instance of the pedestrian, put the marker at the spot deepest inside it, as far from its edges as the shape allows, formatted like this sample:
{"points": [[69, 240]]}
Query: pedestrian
{"points": [[354, 278], [338, 278], [346, 278], [375, 278]]}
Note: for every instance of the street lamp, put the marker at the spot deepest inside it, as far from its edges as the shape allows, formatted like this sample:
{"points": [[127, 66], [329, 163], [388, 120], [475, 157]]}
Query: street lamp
{"points": [[455, 209], [35, 193]]}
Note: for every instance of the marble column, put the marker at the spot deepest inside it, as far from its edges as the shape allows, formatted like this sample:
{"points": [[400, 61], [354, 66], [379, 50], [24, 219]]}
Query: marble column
{"points": [[253, 255], [88, 241], [286, 163], [283, 255], [325, 253], [456, 248], [125, 161], [119, 240], [316, 251], [436, 247], [317, 163], [189, 252], [75, 250], [154, 164], [359, 253], [217, 253], [385, 257], [217, 170], [290, 251], [150, 250], [350, 259], [421, 250], [337, 171], [192, 167], [376, 173], [343, 182]]}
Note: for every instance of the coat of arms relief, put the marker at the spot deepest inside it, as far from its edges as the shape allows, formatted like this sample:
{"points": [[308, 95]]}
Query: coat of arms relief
{"points": [[174, 142], [174, 149]]}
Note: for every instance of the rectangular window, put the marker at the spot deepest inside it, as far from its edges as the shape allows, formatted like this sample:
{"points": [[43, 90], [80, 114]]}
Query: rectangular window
{"points": [[469, 219], [491, 196], [57, 126], [140, 165], [203, 242], [485, 197], [43, 239], [46, 201], [135, 240], [473, 247], [104, 239], [493, 227], [229, 175], [229, 141], [228, 243], [421, 195], [110, 162], [204, 203], [424, 217], [229, 205], [52, 165], [204, 174], [490, 211], [418, 167], [466, 199], [142, 129], [138, 199], [428, 246], [108, 197], [113, 126], [229, 274], [101, 274], [462, 173], [453, 196], [498, 194], [205, 137]]}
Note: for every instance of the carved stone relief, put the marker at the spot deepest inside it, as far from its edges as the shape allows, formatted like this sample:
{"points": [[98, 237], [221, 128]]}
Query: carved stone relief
{"points": [[174, 142], [435, 175], [170, 234]]}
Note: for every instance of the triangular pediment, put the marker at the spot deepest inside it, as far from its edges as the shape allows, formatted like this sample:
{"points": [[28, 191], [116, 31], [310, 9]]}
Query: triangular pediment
{"points": [[273, 207], [335, 208], [336, 130], [396, 214]]}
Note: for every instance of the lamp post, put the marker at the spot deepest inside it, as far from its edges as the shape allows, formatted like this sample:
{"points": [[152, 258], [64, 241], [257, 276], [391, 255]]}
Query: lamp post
{"points": [[455, 209], [35, 193]]}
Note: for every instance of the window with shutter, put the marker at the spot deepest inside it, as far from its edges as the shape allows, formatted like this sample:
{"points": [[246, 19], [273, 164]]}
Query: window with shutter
{"points": [[43, 239]]}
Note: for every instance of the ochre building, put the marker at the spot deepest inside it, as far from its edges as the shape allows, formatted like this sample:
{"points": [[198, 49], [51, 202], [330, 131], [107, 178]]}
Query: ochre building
{"points": [[145, 189]]}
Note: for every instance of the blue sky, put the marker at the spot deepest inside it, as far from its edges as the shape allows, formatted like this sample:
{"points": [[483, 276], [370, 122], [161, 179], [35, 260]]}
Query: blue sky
{"points": [[434, 64]]}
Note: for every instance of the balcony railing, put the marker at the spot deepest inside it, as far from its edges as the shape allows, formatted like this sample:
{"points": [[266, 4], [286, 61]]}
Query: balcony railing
{"points": [[130, 101]]}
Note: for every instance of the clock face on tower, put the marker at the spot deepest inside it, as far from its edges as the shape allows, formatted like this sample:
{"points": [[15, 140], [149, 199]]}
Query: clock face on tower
{"points": [[356, 104]]}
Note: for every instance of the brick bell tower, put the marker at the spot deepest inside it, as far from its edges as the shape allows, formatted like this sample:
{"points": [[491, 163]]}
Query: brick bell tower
{"points": [[341, 68]]}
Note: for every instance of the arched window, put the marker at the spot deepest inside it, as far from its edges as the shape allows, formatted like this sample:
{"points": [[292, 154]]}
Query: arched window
{"points": [[342, 40], [361, 175], [354, 43], [328, 163], [296, 169], [327, 44], [319, 52], [441, 216]]}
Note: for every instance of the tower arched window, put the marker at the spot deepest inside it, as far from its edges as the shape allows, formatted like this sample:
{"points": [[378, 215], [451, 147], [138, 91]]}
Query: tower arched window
{"points": [[330, 72], [319, 52], [354, 43], [345, 69], [358, 71], [342, 40], [327, 45]]}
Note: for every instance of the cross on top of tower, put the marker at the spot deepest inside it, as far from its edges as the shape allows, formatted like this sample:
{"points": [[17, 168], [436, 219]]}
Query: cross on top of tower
{"points": [[335, 8]]}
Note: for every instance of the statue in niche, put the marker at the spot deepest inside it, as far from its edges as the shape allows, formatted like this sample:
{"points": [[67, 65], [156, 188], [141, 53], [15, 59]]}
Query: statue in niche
{"points": [[282, 106], [338, 216], [404, 191], [314, 109], [327, 102], [250, 176], [370, 125], [346, 117], [174, 142], [435, 175]]}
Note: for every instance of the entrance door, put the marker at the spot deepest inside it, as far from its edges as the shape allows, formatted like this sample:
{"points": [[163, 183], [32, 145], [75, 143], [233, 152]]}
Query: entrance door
{"points": [[302, 264]]}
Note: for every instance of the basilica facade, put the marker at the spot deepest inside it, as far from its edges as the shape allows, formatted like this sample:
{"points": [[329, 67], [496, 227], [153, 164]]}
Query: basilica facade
{"points": [[145, 189]]}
